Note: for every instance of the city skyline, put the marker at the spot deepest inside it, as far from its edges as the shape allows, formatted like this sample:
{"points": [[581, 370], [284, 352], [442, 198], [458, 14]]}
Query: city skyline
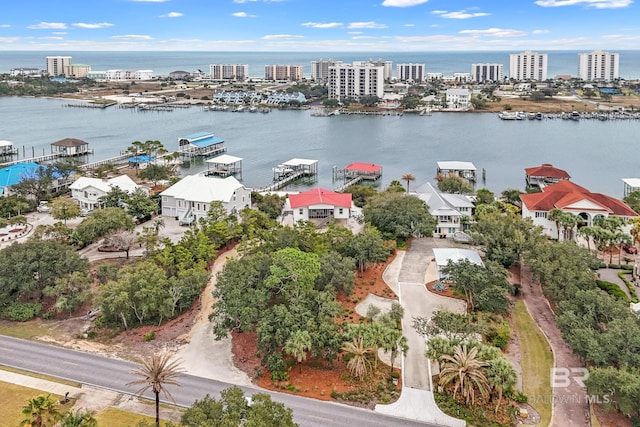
{"points": [[297, 26]]}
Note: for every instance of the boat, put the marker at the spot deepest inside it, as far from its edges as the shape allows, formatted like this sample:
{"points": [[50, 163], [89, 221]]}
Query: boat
{"points": [[334, 113], [539, 116], [508, 115], [521, 115], [574, 116]]}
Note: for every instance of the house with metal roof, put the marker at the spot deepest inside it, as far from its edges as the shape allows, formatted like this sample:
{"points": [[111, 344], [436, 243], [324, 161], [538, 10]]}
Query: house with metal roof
{"points": [[14, 174], [573, 199], [451, 211], [318, 204], [190, 198], [201, 144], [88, 191]]}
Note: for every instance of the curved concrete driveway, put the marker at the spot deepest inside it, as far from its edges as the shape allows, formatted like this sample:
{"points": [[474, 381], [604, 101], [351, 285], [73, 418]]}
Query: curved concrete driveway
{"points": [[407, 275]]}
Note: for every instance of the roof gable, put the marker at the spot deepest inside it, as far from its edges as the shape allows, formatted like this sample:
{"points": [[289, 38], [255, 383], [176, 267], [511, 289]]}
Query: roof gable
{"points": [[548, 171], [203, 189]]}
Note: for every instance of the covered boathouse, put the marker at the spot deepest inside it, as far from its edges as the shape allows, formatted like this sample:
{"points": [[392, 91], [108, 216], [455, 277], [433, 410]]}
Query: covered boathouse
{"points": [[201, 144]]}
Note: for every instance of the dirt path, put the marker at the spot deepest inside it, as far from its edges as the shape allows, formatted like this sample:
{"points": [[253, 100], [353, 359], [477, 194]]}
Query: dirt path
{"points": [[570, 408], [202, 355]]}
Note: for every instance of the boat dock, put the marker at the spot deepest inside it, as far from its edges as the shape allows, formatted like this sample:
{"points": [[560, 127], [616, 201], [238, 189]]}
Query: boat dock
{"points": [[224, 166], [290, 171], [353, 173], [201, 144]]}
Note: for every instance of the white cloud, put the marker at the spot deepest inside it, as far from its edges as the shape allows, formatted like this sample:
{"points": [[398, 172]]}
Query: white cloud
{"points": [[495, 32], [51, 38], [461, 14], [243, 1], [59, 33], [281, 37], [370, 24], [133, 37], [540, 31], [48, 26], [597, 4], [92, 26], [5, 26], [172, 15], [354, 32], [9, 39], [322, 25], [409, 25], [242, 15], [362, 38], [149, 1], [403, 3]]}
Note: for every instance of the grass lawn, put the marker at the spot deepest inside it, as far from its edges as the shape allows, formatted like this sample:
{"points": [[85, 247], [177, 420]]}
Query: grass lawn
{"points": [[116, 417], [25, 330], [14, 398], [536, 361]]}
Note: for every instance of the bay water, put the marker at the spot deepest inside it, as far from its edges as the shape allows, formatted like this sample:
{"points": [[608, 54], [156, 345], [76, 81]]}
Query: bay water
{"points": [[597, 154]]}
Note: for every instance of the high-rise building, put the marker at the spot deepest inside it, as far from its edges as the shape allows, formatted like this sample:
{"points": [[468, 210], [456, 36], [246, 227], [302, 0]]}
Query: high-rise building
{"points": [[77, 70], [482, 73], [410, 72], [598, 65], [386, 65], [355, 81], [56, 65], [228, 71], [320, 69], [283, 72], [528, 66]]}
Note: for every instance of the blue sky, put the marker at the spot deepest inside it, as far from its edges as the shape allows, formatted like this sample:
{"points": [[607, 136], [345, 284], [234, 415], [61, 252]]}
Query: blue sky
{"points": [[320, 25]]}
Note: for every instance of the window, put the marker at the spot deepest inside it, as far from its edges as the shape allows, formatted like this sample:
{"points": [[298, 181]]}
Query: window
{"points": [[301, 211], [340, 211], [541, 214]]}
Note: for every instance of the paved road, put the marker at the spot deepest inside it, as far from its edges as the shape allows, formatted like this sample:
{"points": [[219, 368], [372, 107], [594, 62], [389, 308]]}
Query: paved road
{"points": [[113, 374]]}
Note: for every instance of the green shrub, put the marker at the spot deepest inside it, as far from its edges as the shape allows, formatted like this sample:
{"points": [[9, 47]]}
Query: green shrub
{"points": [[612, 289], [501, 338], [22, 311], [149, 336], [632, 289]]}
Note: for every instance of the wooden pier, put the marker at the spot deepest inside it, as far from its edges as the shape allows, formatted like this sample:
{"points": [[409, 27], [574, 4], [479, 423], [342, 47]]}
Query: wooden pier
{"points": [[348, 184], [353, 173]]}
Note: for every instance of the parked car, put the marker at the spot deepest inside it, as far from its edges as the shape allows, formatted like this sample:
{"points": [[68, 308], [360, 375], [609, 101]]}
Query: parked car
{"points": [[43, 207], [629, 249]]}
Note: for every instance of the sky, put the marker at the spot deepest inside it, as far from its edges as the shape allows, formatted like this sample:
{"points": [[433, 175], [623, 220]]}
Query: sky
{"points": [[319, 25]]}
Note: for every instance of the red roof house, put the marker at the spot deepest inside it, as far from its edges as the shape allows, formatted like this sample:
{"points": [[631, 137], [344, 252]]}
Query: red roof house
{"points": [[571, 198], [319, 203]]}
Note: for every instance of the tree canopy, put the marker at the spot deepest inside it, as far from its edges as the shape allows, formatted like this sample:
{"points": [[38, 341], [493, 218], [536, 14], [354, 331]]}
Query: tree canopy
{"points": [[399, 216]]}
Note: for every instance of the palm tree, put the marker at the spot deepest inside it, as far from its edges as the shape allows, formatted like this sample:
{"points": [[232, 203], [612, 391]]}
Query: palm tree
{"points": [[359, 363], [297, 346], [554, 215], [155, 374], [568, 222], [41, 411], [409, 178], [79, 419], [586, 233], [635, 230], [501, 376], [466, 370]]}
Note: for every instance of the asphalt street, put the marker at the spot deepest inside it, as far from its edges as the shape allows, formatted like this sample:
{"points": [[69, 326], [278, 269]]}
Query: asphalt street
{"points": [[114, 374]]}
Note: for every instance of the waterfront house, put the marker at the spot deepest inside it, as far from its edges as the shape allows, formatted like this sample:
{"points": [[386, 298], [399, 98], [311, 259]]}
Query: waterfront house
{"points": [[190, 198], [87, 191], [543, 175], [14, 174], [574, 199], [7, 148], [458, 99], [451, 211], [70, 147], [630, 185], [318, 204]]}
